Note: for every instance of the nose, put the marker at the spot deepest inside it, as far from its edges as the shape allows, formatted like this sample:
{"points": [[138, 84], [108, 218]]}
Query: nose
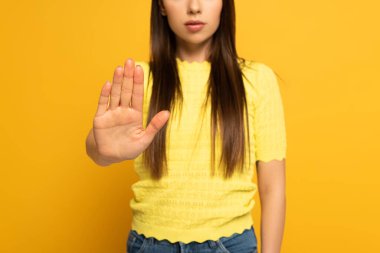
{"points": [[194, 7]]}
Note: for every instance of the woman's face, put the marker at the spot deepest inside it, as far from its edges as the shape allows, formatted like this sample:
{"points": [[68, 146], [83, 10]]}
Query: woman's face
{"points": [[179, 12]]}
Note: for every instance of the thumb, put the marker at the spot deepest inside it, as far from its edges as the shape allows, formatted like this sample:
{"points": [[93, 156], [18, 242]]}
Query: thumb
{"points": [[157, 122]]}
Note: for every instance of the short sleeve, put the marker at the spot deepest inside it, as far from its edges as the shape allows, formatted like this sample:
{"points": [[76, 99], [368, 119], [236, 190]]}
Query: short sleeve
{"points": [[269, 118]]}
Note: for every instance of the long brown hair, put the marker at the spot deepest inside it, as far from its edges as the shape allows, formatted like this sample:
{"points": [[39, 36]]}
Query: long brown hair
{"points": [[225, 87]]}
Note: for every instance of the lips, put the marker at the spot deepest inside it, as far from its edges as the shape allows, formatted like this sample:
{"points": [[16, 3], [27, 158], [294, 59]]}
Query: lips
{"points": [[194, 22], [194, 25]]}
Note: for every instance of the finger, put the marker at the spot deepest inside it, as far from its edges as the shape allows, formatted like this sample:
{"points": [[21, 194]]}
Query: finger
{"points": [[138, 89], [116, 87], [127, 87], [103, 100], [155, 125]]}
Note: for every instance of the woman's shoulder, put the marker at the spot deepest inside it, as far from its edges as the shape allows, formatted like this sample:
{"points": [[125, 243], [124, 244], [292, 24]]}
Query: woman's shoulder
{"points": [[261, 77], [255, 71], [254, 67], [247, 65]]}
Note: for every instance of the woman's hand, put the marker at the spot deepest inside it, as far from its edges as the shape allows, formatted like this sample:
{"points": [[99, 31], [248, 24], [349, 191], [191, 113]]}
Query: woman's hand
{"points": [[118, 126]]}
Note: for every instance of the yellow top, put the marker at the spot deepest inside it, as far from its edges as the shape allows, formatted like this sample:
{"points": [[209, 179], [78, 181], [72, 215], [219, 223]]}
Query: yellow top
{"points": [[189, 204]]}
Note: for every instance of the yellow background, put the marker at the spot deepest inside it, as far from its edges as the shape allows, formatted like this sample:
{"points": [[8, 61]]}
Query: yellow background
{"points": [[56, 55]]}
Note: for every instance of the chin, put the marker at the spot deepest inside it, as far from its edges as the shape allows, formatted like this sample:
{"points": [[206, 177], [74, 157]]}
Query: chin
{"points": [[195, 39]]}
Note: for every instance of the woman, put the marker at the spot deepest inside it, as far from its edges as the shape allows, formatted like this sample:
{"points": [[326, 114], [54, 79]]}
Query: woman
{"points": [[202, 103]]}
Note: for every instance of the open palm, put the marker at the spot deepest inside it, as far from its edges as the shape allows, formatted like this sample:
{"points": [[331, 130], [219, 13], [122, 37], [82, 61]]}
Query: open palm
{"points": [[118, 124]]}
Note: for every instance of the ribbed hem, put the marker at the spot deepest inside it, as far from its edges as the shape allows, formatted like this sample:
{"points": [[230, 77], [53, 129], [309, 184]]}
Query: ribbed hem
{"points": [[200, 235]]}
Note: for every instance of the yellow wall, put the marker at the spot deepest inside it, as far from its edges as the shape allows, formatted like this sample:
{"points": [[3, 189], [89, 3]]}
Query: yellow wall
{"points": [[56, 55]]}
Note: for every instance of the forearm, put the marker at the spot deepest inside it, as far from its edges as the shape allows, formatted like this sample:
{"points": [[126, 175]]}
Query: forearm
{"points": [[92, 151], [273, 205]]}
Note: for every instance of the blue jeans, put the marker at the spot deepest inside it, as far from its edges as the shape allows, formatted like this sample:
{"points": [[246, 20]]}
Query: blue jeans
{"points": [[236, 243]]}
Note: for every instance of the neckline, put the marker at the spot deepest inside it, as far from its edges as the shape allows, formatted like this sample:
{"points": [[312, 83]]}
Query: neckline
{"points": [[194, 64]]}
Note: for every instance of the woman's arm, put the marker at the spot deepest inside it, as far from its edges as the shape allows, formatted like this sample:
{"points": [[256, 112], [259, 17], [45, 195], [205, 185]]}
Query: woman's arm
{"points": [[271, 182]]}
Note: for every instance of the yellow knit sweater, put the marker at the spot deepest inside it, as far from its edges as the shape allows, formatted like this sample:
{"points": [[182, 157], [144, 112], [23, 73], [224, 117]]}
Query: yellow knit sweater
{"points": [[189, 204]]}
